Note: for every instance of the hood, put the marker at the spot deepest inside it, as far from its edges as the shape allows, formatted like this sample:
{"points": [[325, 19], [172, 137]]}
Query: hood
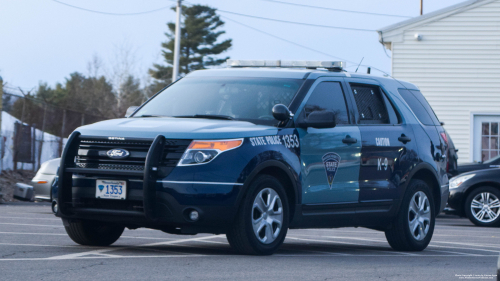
{"points": [[176, 128], [491, 171]]}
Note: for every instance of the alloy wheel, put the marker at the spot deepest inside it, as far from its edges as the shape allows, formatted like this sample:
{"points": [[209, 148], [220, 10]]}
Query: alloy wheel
{"points": [[419, 215], [267, 215], [485, 207]]}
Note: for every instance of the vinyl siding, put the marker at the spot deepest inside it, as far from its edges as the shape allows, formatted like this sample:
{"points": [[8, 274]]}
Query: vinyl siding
{"points": [[456, 66]]}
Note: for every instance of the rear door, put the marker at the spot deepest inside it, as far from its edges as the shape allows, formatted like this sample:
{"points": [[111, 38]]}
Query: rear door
{"points": [[388, 146]]}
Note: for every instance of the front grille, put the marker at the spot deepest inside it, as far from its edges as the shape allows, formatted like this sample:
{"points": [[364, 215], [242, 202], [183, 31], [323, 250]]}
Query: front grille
{"points": [[92, 154], [110, 166]]}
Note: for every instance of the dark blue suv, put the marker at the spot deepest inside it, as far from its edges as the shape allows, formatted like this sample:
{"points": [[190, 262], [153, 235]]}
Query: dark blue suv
{"points": [[255, 149]]}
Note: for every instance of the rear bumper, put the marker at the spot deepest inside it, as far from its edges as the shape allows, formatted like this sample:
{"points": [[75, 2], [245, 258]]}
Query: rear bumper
{"points": [[445, 192]]}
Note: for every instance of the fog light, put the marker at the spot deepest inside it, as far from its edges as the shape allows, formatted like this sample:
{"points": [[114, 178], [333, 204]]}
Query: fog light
{"points": [[194, 215]]}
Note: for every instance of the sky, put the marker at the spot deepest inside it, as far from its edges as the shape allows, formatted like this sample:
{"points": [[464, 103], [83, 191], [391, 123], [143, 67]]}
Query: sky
{"points": [[45, 41]]}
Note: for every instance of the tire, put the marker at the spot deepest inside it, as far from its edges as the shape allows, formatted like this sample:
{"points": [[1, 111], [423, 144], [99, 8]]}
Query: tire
{"points": [[54, 207], [90, 233], [490, 211], [241, 235], [400, 236]]}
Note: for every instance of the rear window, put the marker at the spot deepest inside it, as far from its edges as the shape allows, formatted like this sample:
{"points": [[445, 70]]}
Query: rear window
{"points": [[370, 103], [420, 107]]}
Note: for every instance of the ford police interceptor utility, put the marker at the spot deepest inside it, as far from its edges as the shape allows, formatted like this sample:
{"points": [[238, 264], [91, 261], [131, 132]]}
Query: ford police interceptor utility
{"points": [[255, 149]]}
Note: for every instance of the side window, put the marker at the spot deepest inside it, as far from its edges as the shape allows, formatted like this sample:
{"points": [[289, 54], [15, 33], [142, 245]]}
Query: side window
{"points": [[419, 106], [328, 96], [371, 104]]}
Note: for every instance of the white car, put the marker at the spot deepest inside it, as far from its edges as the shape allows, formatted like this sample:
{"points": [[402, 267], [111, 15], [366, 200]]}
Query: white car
{"points": [[42, 182]]}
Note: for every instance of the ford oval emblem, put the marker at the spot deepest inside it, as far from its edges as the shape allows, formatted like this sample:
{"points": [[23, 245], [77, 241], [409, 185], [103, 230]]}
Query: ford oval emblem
{"points": [[118, 153]]}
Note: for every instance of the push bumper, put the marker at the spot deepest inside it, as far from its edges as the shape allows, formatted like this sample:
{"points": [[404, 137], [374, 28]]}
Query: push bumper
{"points": [[151, 202]]}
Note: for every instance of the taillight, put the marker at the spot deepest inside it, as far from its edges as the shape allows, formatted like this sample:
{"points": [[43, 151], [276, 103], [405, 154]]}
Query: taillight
{"points": [[444, 137]]}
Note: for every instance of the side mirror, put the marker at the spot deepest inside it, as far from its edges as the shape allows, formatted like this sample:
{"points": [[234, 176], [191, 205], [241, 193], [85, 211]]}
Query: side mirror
{"points": [[131, 110], [281, 112], [319, 120]]}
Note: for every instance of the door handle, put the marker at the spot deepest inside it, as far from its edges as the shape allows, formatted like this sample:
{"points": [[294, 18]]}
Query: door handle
{"points": [[404, 139], [349, 140]]}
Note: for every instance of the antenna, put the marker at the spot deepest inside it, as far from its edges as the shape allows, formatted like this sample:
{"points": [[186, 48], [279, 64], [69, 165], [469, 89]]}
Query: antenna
{"points": [[359, 64]]}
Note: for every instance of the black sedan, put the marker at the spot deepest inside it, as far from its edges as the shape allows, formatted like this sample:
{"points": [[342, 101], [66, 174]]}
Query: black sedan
{"points": [[488, 164], [476, 195]]}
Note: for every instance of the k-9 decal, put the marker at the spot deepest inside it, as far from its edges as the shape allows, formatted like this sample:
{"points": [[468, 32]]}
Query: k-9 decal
{"points": [[289, 141], [331, 161]]}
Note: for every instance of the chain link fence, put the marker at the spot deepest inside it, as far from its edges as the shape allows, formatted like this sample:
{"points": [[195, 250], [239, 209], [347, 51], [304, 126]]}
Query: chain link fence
{"points": [[34, 131]]}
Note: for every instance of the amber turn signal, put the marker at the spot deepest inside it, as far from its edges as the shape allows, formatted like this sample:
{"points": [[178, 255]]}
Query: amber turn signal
{"points": [[219, 145]]}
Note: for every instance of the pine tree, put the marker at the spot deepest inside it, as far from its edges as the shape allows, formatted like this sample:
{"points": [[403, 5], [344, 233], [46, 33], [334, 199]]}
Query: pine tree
{"points": [[200, 31]]}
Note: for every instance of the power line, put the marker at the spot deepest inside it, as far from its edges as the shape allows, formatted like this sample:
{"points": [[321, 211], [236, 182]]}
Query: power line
{"points": [[307, 48], [286, 40], [112, 14], [298, 23], [337, 10]]}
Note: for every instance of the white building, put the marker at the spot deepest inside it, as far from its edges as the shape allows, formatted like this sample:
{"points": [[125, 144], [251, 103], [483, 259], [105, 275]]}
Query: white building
{"points": [[453, 56]]}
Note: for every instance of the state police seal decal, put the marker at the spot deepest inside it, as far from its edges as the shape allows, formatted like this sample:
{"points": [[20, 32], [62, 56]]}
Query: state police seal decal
{"points": [[331, 161]]}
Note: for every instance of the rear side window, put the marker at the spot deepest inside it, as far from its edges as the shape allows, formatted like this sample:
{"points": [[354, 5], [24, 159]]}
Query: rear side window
{"points": [[371, 105], [328, 96], [420, 107]]}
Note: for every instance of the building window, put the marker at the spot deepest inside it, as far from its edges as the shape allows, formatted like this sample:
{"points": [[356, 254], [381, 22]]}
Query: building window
{"points": [[489, 140]]}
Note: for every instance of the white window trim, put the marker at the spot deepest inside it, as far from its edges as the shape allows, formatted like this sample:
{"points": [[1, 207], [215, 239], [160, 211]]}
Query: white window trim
{"points": [[471, 130]]}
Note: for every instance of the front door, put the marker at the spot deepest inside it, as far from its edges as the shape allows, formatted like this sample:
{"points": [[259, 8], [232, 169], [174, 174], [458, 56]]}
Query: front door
{"points": [[330, 157]]}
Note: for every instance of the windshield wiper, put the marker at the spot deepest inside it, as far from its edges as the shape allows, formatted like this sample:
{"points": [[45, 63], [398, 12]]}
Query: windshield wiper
{"points": [[147, 115], [207, 116]]}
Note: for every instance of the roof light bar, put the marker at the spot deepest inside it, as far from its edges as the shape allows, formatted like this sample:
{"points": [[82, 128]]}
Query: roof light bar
{"points": [[280, 63]]}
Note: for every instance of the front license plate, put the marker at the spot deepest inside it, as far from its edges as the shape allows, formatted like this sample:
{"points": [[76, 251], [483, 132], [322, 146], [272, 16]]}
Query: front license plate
{"points": [[110, 189]]}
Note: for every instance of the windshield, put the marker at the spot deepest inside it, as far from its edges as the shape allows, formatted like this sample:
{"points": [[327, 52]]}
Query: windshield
{"points": [[239, 98]]}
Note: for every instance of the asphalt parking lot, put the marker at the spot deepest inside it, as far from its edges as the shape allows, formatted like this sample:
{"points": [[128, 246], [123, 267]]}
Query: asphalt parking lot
{"points": [[34, 246]]}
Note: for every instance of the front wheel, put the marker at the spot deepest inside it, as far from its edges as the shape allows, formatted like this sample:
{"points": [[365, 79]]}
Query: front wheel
{"points": [[262, 220], [482, 206], [414, 225], [91, 233]]}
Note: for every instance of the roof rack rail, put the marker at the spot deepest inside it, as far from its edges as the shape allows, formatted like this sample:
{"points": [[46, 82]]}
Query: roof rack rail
{"points": [[330, 65]]}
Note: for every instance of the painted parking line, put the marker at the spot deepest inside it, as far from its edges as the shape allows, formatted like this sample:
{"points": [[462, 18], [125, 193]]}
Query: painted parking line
{"points": [[28, 224], [45, 245], [106, 250], [348, 243], [430, 245], [236, 256], [64, 234], [25, 218]]}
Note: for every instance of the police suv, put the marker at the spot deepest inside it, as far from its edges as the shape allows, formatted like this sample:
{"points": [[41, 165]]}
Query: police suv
{"points": [[258, 148]]}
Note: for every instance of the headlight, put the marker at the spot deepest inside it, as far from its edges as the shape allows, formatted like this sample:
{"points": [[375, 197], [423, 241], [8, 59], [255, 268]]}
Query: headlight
{"points": [[456, 182], [202, 151]]}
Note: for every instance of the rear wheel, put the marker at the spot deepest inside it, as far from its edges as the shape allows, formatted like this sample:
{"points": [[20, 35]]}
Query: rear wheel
{"points": [[414, 225], [482, 206], [91, 233], [262, 220]]}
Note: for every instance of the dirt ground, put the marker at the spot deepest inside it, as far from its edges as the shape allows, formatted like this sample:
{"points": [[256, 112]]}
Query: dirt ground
{"points": [[8, 180]]}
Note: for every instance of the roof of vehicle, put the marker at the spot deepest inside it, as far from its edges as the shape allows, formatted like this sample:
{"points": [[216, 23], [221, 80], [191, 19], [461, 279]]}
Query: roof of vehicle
{"points": [[292, 73]]}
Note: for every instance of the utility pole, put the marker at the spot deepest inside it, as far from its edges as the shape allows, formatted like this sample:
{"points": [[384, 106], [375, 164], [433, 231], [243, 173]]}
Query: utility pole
{"points": [[177, 43], [2, 144], [421, 7]]}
